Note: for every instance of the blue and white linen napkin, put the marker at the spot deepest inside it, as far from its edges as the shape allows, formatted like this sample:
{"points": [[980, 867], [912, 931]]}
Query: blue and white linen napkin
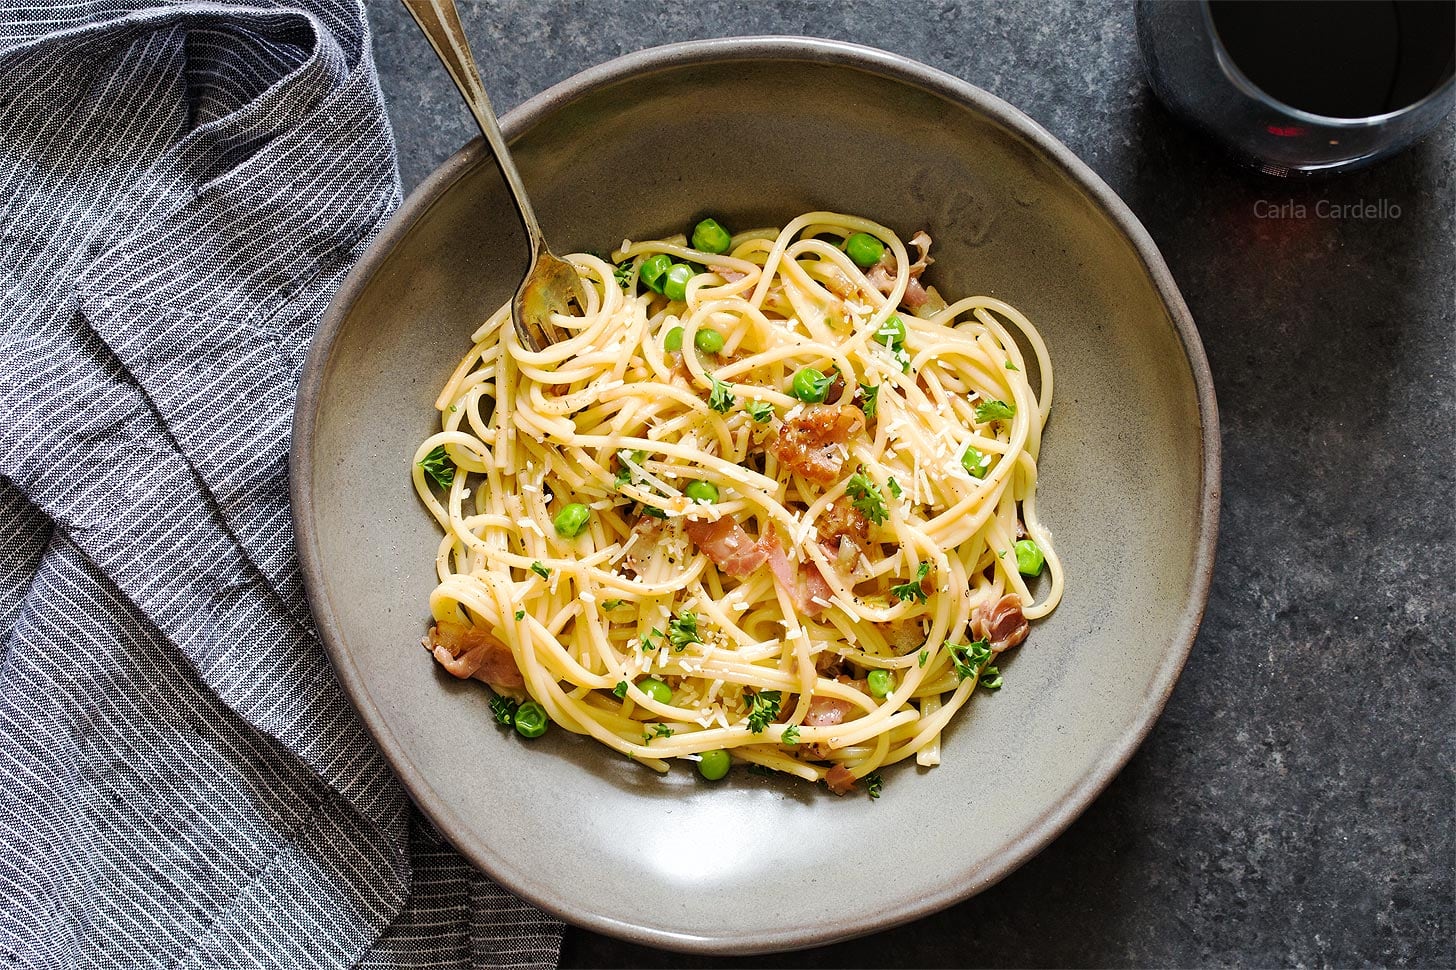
{"points": [[182, 782]]}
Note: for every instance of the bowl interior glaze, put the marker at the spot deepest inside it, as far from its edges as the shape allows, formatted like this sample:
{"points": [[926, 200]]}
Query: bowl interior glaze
{"points": [[756, 131]]}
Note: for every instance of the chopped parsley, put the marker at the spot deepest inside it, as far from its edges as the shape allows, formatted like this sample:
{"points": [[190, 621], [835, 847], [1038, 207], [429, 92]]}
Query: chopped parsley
{"points": [[722, 399], [520, 615], [540, 570], [902, 358], [621, 689], [1011, 366], [683, 630], [658, 731], [968, 658], [611, 604], [623, 273], [759, 411], [791, 734], [990, 678], [994, 411], [762, 708], [654, 512], [438, 467], [504, 709], [913, 591], [871, 396], [895, 488], [647, 645], [867, 497], [924, 656], [873, 784]]}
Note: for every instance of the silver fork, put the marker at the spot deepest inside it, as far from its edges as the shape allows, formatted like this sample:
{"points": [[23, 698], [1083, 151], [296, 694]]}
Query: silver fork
{"points": [[551, 284]]}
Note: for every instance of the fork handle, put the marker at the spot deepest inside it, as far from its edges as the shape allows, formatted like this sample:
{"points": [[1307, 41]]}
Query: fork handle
{"points": [[439, 20]]}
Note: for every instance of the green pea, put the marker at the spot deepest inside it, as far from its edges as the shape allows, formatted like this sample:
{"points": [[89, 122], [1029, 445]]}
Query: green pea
{"points": [[975, 462], [711, 237], [1029, 558], [810, 385], [892, 332], [708, 341], [700, 491], [864, 249], [673, 340], [653, 269], [571, 520], [531, 720], [675, 284], [881, 682], [713, 765], [655, 689]]}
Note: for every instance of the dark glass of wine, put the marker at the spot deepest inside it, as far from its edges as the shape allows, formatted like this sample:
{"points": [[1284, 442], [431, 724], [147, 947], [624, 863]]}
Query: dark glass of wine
{"points": [[1303, 87]]}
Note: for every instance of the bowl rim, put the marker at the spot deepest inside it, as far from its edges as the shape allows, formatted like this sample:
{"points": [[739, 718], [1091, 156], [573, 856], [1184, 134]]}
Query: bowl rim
{"points": [[1040, 831]]}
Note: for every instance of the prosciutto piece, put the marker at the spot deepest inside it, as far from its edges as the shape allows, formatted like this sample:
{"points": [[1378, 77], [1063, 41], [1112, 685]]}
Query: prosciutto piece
{"points": [[729, 274], [812, 443], [842, 521], [734, 551], [827, 711], [470, 651], [730, 547], [844, 536], [840, 780], [883, 275], [1002, 622], [915, 295], [805, 585]]}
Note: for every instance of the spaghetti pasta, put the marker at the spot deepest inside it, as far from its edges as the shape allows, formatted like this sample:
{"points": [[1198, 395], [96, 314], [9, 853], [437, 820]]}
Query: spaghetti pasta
{"points": [[756, 505]]}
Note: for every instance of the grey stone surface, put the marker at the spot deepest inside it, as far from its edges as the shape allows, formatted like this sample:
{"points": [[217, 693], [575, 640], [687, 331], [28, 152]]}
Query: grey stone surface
{"points": [[1294, 805]]}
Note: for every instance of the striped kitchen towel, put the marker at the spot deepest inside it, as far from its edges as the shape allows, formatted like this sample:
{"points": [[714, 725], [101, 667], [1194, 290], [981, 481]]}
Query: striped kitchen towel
{"points": [[182, 782]]}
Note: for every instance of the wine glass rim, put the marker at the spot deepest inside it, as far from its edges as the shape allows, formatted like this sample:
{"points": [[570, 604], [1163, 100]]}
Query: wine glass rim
{"points": [[1241, 81]]}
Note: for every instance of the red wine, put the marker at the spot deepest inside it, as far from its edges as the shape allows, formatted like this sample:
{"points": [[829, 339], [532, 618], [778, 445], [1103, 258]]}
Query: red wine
{"points": [[1343, 59]]}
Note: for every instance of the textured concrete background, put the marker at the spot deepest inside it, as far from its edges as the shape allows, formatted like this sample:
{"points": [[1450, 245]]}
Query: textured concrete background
{"points": [[1294, 805]]}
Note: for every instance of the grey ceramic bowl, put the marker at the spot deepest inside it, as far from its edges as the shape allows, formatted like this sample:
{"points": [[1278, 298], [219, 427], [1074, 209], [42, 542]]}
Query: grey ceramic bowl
{"points": [[755, 131]]}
